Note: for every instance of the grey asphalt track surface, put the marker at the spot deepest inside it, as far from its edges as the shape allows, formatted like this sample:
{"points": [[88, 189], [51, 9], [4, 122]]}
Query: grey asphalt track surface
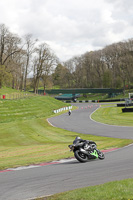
{"points": [[80, 122], [51, 179]]}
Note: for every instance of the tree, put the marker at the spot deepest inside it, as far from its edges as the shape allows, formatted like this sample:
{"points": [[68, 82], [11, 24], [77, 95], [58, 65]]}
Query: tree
{"points": [[61, 76], [48, 66], [29, 50], [9, 48], [78, 73], [42, 65], [8, 44], [5, 77]]}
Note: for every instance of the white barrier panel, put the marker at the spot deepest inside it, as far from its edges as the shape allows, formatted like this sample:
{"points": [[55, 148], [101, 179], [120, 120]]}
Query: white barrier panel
{"points": [[61, 109]]}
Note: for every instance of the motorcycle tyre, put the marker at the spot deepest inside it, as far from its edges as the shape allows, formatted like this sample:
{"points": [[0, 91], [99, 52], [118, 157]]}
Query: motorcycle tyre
{"points": [[101, 155], [79, 158]]}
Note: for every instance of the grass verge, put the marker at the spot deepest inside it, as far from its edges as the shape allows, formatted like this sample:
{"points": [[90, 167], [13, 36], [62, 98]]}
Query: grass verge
{"points": [[26, 137], [113, 116], [116, 190], [35, 141]]}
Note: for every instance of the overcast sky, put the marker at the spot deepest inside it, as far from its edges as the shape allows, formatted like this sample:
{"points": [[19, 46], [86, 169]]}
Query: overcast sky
{"points": [[70, 27]]}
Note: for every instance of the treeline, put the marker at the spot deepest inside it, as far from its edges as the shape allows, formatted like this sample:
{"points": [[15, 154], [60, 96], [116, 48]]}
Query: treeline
{"points": [[27, 63], [21, 57], [111, 67]]}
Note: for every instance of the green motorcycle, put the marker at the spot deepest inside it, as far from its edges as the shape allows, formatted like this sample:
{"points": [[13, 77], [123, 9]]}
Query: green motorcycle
{"points": [[85, 150]]}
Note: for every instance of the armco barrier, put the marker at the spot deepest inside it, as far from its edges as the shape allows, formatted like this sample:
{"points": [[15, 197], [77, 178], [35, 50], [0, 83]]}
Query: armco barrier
{"points": [[94, 101], [127, 110], [62, 109]]}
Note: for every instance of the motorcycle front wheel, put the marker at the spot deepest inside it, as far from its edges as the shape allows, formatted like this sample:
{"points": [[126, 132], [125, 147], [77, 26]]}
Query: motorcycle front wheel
{"points": [[100, 155], [81, 157]]}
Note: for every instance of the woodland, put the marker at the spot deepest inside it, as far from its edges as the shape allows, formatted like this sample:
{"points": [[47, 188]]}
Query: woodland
{"points": [[26, 63]]}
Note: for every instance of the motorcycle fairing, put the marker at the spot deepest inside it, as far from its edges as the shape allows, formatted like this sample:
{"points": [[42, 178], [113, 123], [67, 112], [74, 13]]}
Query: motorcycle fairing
{"points": [[94, 153]]}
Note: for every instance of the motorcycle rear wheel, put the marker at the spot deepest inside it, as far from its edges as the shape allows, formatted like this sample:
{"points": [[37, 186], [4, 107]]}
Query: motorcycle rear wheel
{"points": [[81, 157]]}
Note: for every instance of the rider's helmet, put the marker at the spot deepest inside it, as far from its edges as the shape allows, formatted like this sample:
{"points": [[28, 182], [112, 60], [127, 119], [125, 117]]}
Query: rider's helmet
{"points": [[77, 138]]}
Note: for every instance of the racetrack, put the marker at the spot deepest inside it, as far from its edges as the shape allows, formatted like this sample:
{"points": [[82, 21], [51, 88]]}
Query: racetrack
{"points": [[80, 122], [51, 179]]}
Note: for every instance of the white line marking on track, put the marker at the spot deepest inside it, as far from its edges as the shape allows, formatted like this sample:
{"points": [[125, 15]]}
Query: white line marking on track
{"points": [[103, 123], [50, 123]]}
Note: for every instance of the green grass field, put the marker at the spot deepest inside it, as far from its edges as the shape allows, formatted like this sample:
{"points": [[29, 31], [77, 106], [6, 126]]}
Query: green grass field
{"points": [[113, 115], [116, 190], [27, 138], [5, 90]]}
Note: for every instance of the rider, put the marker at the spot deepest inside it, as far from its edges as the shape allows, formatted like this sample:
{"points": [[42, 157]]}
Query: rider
{"points": [[80, 140], [87, 143], [69, 112]]}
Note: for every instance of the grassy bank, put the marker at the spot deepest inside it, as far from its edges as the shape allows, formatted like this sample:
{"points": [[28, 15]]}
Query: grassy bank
{"points": [[113, 116], [26, 137], [29, 108], [35, 141], [116, 190]]}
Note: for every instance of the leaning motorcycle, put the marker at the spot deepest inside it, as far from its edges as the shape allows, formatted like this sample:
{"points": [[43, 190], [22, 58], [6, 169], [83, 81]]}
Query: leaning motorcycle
{"points": [[84, 151]]}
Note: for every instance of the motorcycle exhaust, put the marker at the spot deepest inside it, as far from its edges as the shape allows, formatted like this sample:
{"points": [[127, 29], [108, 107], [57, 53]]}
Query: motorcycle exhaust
{"points": [[84, 151]]}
